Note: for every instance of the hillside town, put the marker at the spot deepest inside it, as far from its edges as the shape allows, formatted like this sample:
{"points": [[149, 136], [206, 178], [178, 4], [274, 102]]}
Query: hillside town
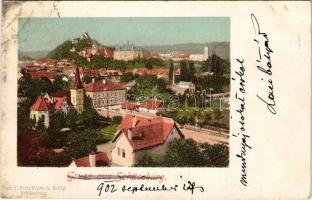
{"points": [[90, 105]]}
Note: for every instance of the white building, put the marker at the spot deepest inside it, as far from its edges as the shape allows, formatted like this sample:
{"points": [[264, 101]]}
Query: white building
{"points": [[45, 106], [105, 93], [139, 133], [200, 57], [151, 106]]}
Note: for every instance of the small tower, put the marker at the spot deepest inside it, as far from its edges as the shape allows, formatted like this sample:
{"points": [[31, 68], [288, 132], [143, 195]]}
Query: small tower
{"points": [[76, 92], [206, 52]]}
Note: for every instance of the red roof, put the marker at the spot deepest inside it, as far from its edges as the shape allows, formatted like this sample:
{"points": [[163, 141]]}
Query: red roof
{"points": [[148, 131], [103, 85], [44, 104], [89, 71], [46, 62], [58, 102], [129, 106], [101, 160], [49, 75], [151, 104], [77, 83], [40, 105]]}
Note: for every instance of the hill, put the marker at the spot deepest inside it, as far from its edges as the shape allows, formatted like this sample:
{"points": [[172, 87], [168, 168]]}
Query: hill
{"points": [[32, 54]]}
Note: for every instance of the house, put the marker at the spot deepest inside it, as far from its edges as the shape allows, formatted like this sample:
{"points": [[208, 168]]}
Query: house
{"points": [[129, 106], [46, 105], [129, 52], [139, 133], [151, 106], [49, 75], [105, 93], [183, 87], [98, 159], [180, 56]]}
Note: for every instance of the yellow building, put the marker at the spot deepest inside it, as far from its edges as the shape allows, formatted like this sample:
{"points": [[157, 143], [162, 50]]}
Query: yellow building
{"points": [[76, 93]]}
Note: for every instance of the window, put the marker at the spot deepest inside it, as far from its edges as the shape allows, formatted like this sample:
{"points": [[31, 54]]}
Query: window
{"points": [[123, 153], [118, 151]]}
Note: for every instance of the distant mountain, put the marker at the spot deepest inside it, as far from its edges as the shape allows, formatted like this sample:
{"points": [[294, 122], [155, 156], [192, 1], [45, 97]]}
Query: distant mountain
{"points": [[222, 49], [32, 54]]}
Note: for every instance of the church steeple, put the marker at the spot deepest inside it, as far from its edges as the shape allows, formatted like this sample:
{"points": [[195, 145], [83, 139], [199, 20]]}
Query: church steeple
{"points": [[76, 92], [77, 83]]}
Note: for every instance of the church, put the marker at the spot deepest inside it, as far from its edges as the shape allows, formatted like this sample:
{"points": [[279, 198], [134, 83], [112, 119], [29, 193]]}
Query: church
{"points": [[46, 105]]}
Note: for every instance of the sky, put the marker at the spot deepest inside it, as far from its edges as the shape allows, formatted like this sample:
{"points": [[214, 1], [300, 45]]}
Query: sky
{"points": [[37, 34]]}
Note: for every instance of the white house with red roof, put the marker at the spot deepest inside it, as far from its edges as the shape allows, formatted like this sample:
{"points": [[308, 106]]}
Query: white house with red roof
{"points": [[151, 106], [45, 105], [138, 133]]}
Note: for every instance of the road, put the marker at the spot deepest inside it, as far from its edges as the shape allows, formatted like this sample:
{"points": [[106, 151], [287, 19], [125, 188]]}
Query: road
{"points": [[202, 137]]}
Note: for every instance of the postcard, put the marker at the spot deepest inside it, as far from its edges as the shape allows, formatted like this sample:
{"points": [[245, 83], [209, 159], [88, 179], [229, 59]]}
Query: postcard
{"points": [[156, 100]]}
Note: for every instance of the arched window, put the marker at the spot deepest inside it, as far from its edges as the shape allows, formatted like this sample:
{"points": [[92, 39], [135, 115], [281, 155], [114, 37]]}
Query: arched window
{"points": [[43, 118], [34, 117]]}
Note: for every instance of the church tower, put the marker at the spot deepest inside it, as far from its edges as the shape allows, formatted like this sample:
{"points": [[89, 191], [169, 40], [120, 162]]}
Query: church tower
{"points": [[76, 92]]}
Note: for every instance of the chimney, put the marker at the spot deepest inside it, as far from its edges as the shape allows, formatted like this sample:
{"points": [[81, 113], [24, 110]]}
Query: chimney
{"points": [[149, 121], [104, 81], [134, 120], [130, 134], [92, 159], [93, 80]]}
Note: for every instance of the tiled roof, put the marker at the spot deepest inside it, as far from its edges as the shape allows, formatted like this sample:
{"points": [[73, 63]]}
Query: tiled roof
{"points": [[101, 160], [89, 71], [40, 105], [151, 104], [46, 62], [49, 75], [148, 131], [101, 86], [129, 106], [58, 102], [45, 104]]}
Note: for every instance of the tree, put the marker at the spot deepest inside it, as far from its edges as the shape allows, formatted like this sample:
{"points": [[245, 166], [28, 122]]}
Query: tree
{"points": [[87, 79], [61, 51], [57, 122], [72, 120], [89, 116], [183, 153], [59, 85], [81, 143], [144, 160], [171, 70], [215, 155], [183, 71], [83, 44], [191, 71]]}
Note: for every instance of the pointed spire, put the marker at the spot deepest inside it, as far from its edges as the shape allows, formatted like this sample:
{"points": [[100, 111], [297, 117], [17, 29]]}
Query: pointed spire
{"points": [[77, 84]]}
